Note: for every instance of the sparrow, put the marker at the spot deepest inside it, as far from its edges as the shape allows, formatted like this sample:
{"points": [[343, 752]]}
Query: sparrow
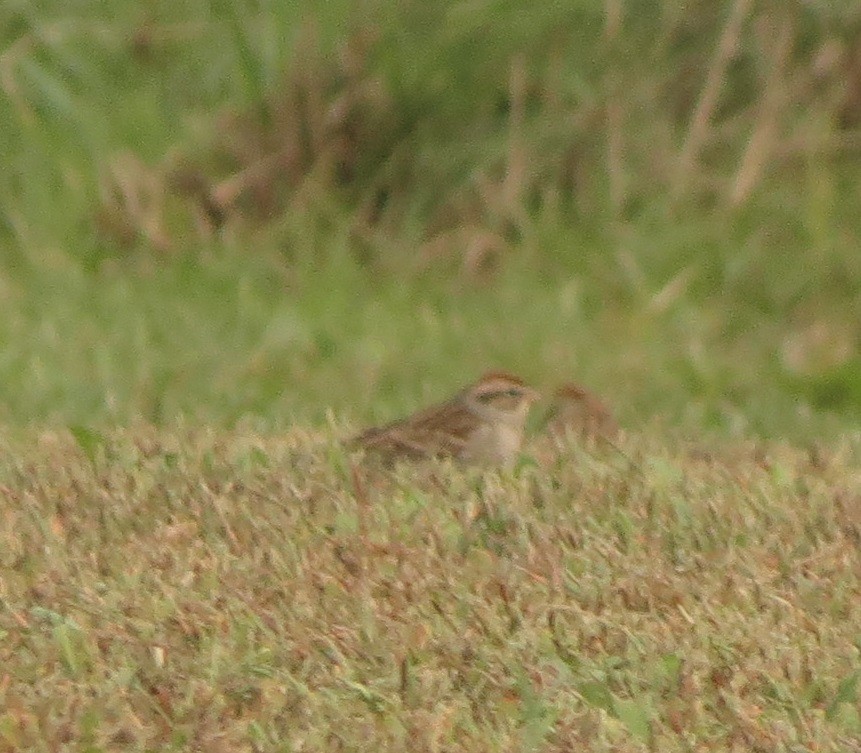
{"points": [[577, 410], [482, 424]]}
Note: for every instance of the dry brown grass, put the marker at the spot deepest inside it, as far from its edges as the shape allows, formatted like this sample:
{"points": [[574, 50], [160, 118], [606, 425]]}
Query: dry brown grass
{"points": [[225, 592]]}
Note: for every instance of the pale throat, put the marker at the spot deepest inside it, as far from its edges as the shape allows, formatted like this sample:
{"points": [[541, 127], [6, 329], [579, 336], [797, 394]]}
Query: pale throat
{"points": [[500, 434]]}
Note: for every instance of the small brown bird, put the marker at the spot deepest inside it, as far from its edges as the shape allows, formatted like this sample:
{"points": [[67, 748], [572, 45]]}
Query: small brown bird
{"points": [[482, 424], [578, 411]]}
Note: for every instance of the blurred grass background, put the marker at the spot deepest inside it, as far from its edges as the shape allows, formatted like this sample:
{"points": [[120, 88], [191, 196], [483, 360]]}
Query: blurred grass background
{"points": [[223, 210]]}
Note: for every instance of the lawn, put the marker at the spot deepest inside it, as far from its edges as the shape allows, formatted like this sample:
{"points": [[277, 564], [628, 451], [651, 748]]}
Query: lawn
{"points": [[233, 233], [226, 590]]}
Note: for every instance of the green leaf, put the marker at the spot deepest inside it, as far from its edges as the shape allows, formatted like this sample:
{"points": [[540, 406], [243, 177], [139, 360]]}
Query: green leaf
{"points": [[848, 688], [372, 698], [597, 694], [635, 716], [670, 668], [49, 615], [663, 474], [259, 458], [847, 717], [524, 461], [90, 442], [847, 692], [10, 731], [65, 636], [624, 528]]}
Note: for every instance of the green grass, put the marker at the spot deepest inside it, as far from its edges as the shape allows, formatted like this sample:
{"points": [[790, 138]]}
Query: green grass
{"points": [[238, 591], [470, 221], [214, 341]]}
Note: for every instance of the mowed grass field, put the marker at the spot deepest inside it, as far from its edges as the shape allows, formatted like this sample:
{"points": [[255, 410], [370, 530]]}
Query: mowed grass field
{"points": [[228, 591], [232, 233]]}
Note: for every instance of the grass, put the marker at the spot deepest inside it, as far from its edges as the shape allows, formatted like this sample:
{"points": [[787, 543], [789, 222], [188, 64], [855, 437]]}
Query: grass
{"points": [[199, 220], [230, 233], [236, 591], [214, 342]]}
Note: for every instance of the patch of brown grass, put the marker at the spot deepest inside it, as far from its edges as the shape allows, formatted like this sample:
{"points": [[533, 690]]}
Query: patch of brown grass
{"points": [[238, 592]]}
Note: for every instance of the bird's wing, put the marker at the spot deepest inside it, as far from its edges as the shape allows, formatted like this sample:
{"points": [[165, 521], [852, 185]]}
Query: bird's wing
{"points": [[436, 431]]}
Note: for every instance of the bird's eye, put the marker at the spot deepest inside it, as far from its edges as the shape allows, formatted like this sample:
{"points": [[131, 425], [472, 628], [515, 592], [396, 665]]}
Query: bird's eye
{"points": [[513, 392]]}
